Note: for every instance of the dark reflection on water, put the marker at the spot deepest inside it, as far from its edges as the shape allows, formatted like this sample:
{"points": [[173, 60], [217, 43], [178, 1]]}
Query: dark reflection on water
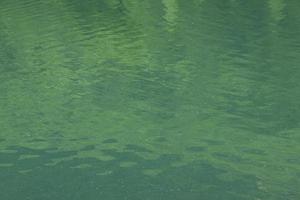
{"points": [[89, 178], [162, 99]]}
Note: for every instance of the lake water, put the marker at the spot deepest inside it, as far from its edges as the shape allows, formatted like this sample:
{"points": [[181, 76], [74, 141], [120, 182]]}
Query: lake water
{"points": [[149, 100]]}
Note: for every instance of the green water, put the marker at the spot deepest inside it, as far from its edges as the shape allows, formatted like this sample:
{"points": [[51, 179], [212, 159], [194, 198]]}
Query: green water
{"points": [[149, 100]]}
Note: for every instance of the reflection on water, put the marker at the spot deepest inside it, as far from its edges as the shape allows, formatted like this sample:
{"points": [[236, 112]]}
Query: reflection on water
{"points": [[90, 178], [162, 99]]}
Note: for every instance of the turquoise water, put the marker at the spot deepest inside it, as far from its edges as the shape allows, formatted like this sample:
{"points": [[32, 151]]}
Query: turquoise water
{"points": [[152, 100]]}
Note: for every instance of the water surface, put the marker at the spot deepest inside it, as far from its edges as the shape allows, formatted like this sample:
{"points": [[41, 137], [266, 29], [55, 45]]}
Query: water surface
{"points": [[161, 99]]}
